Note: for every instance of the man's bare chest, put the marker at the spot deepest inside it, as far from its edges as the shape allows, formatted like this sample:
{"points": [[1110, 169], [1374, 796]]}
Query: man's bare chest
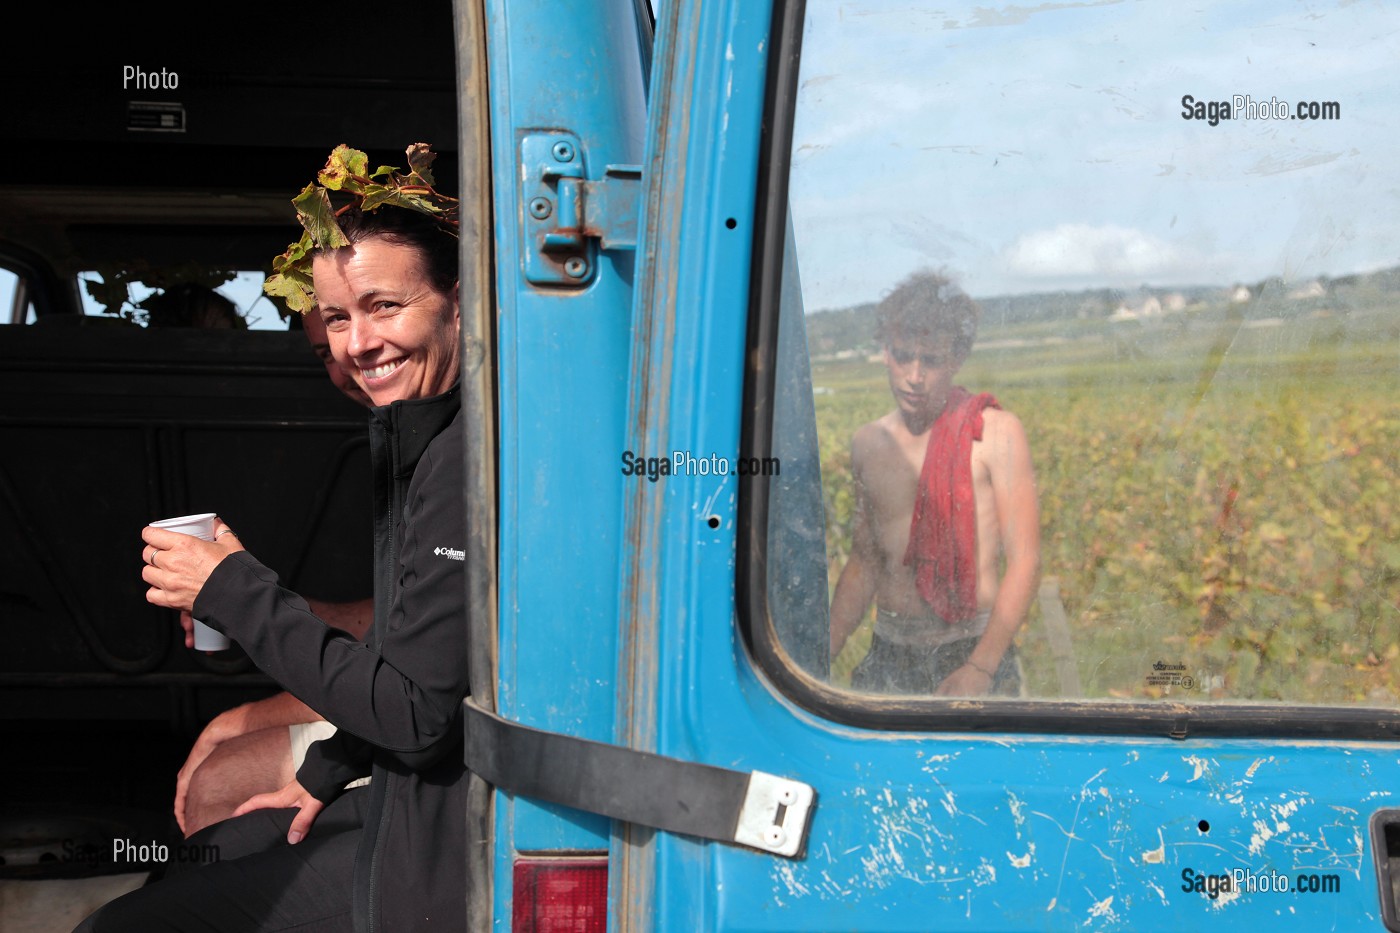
{"points": [[892, 488]]}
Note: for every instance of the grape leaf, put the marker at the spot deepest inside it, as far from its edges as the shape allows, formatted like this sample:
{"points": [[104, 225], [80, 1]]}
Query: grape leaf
{"points": [[399, 198], [317, 217], [420, 161], [344, 169], [294, 287]]}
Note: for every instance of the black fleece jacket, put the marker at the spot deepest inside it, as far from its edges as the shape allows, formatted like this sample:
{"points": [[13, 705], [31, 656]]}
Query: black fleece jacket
{"points": [[396, 698]]}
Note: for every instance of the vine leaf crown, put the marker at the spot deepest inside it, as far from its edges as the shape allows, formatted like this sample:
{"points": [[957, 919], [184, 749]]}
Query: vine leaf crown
{"points": [[347, 172]]}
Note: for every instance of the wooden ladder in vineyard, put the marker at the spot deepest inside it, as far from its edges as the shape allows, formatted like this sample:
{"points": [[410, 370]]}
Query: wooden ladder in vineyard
{"points": [[1052, 616]]}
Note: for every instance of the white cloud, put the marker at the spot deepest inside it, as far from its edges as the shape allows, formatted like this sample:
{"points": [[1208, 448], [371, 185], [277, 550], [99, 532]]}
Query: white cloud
{"points": [[1108, 253]]}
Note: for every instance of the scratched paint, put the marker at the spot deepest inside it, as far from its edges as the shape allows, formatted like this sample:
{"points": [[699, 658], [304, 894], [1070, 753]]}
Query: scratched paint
{"points": [[1103, 911], [1102, 854], [1158, 855]]}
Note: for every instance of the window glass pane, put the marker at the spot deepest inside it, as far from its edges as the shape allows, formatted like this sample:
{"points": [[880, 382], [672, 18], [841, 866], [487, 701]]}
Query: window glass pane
{"points": [[240, 304], [12, 287], [1170, 237]]}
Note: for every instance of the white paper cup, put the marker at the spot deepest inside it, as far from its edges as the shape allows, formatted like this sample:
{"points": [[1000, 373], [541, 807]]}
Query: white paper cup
{"points": [[200, 526]]}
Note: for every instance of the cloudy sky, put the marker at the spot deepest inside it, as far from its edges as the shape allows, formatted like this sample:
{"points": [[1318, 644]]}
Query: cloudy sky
{"points": [[1042, 147]]}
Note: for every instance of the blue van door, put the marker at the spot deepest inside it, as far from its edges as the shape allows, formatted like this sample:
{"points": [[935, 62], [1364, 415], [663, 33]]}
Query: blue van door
{"points": [[1120, 649], [562, 89]]}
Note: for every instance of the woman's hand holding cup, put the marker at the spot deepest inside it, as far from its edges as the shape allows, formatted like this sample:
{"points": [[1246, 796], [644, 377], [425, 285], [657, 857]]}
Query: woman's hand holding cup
{"points": [[179, 555]]}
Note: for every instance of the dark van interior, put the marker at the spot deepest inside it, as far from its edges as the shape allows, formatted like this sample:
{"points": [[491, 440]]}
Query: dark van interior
{"points": [[163, 153]]}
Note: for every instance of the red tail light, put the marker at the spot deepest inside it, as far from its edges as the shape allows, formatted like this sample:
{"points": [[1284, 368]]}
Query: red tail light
{"points": [[560, 895]]}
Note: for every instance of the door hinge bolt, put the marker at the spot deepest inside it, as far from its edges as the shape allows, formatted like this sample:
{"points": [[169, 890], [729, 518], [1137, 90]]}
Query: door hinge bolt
{"points": [[576, 267], [774, 836], [563, 151], [540, 208]]}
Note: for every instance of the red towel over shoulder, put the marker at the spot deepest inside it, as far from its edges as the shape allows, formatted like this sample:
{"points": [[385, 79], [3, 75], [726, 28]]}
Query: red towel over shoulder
{"points": [[943, 534]]}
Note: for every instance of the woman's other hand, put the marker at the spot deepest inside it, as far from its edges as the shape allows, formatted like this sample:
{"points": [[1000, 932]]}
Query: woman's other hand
{"points": [[291, 796], [187, 623]]}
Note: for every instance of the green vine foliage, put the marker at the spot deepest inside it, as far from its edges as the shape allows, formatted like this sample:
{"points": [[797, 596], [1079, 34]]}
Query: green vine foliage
{"points": [[1245, 525], [347, 173]]}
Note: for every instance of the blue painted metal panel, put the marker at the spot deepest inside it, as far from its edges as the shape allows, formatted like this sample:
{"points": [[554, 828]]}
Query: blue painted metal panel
{"points": [[1012, 833], [563, 362], [686, 397], [912, 831]]}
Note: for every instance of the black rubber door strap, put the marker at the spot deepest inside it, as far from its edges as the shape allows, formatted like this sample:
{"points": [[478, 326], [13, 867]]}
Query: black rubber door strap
{"points": [[638, 787]]}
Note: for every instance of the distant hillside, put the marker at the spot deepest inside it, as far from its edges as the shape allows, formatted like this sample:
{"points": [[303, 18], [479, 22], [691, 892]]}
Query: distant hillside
{"points": [[853, 328], [1092, 303], [833, 331]]}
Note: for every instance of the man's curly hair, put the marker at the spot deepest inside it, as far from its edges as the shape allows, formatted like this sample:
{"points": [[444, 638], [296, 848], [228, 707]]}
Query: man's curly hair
{"points": [[928, 304]]}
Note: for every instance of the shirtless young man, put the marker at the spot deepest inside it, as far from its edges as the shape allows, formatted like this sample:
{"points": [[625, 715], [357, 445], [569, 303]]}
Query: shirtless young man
{"points": [[256, 748], [947, 609]]}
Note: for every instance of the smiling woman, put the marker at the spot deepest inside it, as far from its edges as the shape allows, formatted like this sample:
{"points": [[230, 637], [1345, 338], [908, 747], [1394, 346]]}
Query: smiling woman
{"points": [[389, 303], [387, 294]]}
